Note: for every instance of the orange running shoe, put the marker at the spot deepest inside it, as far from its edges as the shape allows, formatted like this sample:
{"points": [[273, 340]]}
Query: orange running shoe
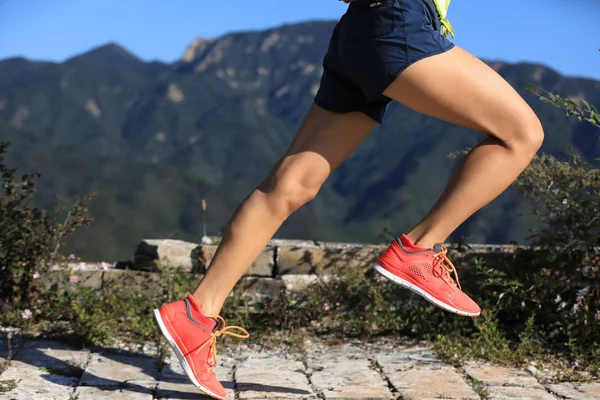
{"points": [[193, 337], [427, 273]]}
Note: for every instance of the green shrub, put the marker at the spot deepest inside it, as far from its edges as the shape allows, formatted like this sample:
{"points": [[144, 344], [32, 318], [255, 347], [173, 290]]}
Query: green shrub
{"points": [[30, 238]]}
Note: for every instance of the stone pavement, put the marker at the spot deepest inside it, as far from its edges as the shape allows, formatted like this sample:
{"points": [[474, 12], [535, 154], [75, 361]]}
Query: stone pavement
{"points": [[41, 369]]}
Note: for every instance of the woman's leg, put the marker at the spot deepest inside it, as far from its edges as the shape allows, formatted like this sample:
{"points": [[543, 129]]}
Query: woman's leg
{"points": [[459, 88], [323, 141]]}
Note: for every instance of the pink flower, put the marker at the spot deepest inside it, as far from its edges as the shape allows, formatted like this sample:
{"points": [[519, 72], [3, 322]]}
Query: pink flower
{"points": [[26, 314], [582, 293], [575, 308], [74, 279], [104, 266], [71, 257], [326, 307], [82, 266], [36, 275]]}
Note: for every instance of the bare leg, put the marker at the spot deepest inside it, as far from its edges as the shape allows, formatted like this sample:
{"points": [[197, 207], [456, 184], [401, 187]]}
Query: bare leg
{"points": [[323, 141], [459, 88]]}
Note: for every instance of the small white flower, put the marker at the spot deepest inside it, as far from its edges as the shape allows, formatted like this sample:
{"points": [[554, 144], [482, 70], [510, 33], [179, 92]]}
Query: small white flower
{"points": [[558, 299], [82, 266], [104, 266], [562, 305], [36, 275], [26, 314]]}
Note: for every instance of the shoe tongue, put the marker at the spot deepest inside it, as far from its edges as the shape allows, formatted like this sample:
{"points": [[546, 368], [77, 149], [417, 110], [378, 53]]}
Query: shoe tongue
{"points": [[410, 246], [198, 315]]}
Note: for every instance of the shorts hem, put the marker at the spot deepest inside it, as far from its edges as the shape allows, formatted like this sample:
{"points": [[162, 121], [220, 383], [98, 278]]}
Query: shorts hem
{"points": [[328, 108], [399, 72], [338, 111]]}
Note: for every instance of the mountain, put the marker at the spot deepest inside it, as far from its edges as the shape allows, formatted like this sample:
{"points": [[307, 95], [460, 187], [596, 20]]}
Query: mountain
{"points": [[154, 139], [113, 56]]}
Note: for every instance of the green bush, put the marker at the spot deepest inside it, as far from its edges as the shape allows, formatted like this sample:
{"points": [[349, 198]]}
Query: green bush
{"points": [[562, 270], [30, 237], [548, 295]]}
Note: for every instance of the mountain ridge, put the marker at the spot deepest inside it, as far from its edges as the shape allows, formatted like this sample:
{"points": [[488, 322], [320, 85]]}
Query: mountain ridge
{"points": [[155, 139]]}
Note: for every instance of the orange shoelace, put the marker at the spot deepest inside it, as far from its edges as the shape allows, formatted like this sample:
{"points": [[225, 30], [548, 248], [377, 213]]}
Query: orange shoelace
{"points": [[447, 266], [223, 330]]}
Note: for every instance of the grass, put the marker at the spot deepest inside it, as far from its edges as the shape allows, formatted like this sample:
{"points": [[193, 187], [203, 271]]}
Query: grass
{"points": [[480, 389], [3, 365], [7, 385], [71, 371]]}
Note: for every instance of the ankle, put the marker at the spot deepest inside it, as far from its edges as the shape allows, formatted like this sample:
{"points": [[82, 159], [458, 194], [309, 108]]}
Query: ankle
{"points": [[207, 306], [425, 239]]}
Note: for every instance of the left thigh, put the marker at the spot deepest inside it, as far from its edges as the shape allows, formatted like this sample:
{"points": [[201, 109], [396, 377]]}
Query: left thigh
{"points": [[457, 87]]}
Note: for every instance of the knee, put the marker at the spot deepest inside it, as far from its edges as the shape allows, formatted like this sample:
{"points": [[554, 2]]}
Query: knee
{"points": [[527, 133], [293, 186]]}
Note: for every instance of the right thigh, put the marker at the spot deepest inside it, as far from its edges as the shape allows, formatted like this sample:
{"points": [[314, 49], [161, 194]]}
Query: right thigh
{"points": [[459, 88], [323, 141]]}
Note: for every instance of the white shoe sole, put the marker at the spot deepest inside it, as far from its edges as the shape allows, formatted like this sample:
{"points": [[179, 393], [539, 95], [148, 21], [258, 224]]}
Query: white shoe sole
{"points": [[181, 357], [421, 292]]}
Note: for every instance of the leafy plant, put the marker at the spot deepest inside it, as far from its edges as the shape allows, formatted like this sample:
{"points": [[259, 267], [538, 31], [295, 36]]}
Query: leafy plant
{"points": [[29, 237], [584, 112]]}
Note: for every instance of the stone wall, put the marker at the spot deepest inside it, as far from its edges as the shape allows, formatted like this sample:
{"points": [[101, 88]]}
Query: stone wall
{"points": [[289, 265], [280, 257]]}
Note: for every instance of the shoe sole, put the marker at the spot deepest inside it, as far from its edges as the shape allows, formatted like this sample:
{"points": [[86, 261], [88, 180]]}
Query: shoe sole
{"points": [[415, 289], [181, 357]]}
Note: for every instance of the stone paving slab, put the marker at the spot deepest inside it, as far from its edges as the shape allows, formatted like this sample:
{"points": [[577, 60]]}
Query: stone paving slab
{"points": [[172, 369], [117, 370], [507, 383], [492, 375], [431, 382], [345, 373], [267, 376], [33, 382], [417, 374], [404, 358], [576, 391], [94, 393], [518, 392], [52, 370], [174, 383], [54, 356], [179, 390], [45, 370]]}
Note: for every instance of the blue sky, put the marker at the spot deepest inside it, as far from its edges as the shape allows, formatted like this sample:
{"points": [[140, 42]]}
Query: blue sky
{"points": [[562, 34]]}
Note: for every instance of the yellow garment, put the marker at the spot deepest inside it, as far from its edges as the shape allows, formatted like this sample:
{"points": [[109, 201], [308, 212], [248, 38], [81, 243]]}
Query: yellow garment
{"points": [[442, 9]]}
